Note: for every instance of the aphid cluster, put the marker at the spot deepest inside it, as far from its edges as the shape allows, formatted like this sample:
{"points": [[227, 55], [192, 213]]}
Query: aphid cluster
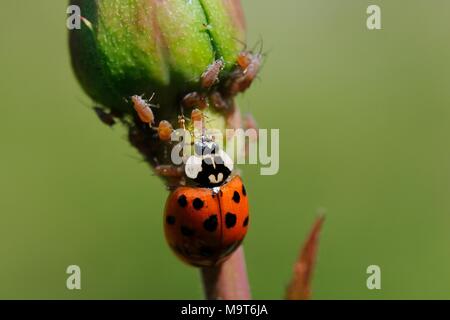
{"points": [[220, 95], [144, 111]]}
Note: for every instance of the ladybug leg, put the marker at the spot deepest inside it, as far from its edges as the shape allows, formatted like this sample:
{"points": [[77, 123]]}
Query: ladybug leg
{"points": [[211, 75]]}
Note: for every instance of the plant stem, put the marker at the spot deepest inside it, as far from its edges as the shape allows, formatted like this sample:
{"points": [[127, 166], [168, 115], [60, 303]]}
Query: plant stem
{"points": [[227, 281]]}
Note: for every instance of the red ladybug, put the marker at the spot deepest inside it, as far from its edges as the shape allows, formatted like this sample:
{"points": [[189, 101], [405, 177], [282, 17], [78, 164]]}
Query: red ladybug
{"points": [[204, 225]]}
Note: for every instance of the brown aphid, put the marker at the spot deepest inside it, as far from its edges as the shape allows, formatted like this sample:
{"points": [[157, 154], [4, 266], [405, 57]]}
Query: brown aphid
{"points": [[195, 99], [251, 71], [249, 65], [106, 118], [217, 101], [244, 59], [197, 119], [165, 130], [233, 86], [211, 75], [196, 115], [143, 109]]}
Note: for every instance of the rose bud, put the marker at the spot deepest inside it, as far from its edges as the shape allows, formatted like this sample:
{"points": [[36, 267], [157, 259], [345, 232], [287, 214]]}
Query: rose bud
{"points": [[144, 47]]}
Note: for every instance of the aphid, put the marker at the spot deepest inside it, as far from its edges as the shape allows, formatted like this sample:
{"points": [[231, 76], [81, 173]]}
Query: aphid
{"points": [[106, 118], [205, 225], [211, 75], [244, 59], [247, 57], [217, 101], [248, 68], [197, 116], [165, 130], [182, 122], [143, 109], [195, 99], [252, 66], [198, 122]]}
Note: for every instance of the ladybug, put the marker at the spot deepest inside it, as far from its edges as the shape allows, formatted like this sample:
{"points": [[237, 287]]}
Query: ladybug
{"points": [[205, 223], [210, 166]]}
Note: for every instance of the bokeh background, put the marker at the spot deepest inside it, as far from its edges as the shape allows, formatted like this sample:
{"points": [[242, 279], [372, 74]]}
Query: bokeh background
{"points": [[365, 127]]}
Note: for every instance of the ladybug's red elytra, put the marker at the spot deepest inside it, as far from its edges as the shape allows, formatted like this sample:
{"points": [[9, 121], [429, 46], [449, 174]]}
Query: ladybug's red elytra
{"points": [[205, 223], [203, 226]]}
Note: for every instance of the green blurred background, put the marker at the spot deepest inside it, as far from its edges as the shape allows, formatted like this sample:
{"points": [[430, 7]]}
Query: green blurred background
{"points": [[365, 126]]}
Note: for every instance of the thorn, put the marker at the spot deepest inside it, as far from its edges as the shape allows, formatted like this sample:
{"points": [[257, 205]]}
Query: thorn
{"points": [[300, 286]]}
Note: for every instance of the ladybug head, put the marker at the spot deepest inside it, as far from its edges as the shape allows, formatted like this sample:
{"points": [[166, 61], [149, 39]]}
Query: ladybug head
{"points": [[210, 166]]}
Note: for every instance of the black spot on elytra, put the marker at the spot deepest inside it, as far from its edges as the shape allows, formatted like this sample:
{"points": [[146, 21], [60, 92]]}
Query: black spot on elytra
{"points": [[197, 203], [246, 222], [206, 251], [236, 197], [187, 232], [244, 192], [230, 220], [182, 201], [170, 220], [211, 223]]}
